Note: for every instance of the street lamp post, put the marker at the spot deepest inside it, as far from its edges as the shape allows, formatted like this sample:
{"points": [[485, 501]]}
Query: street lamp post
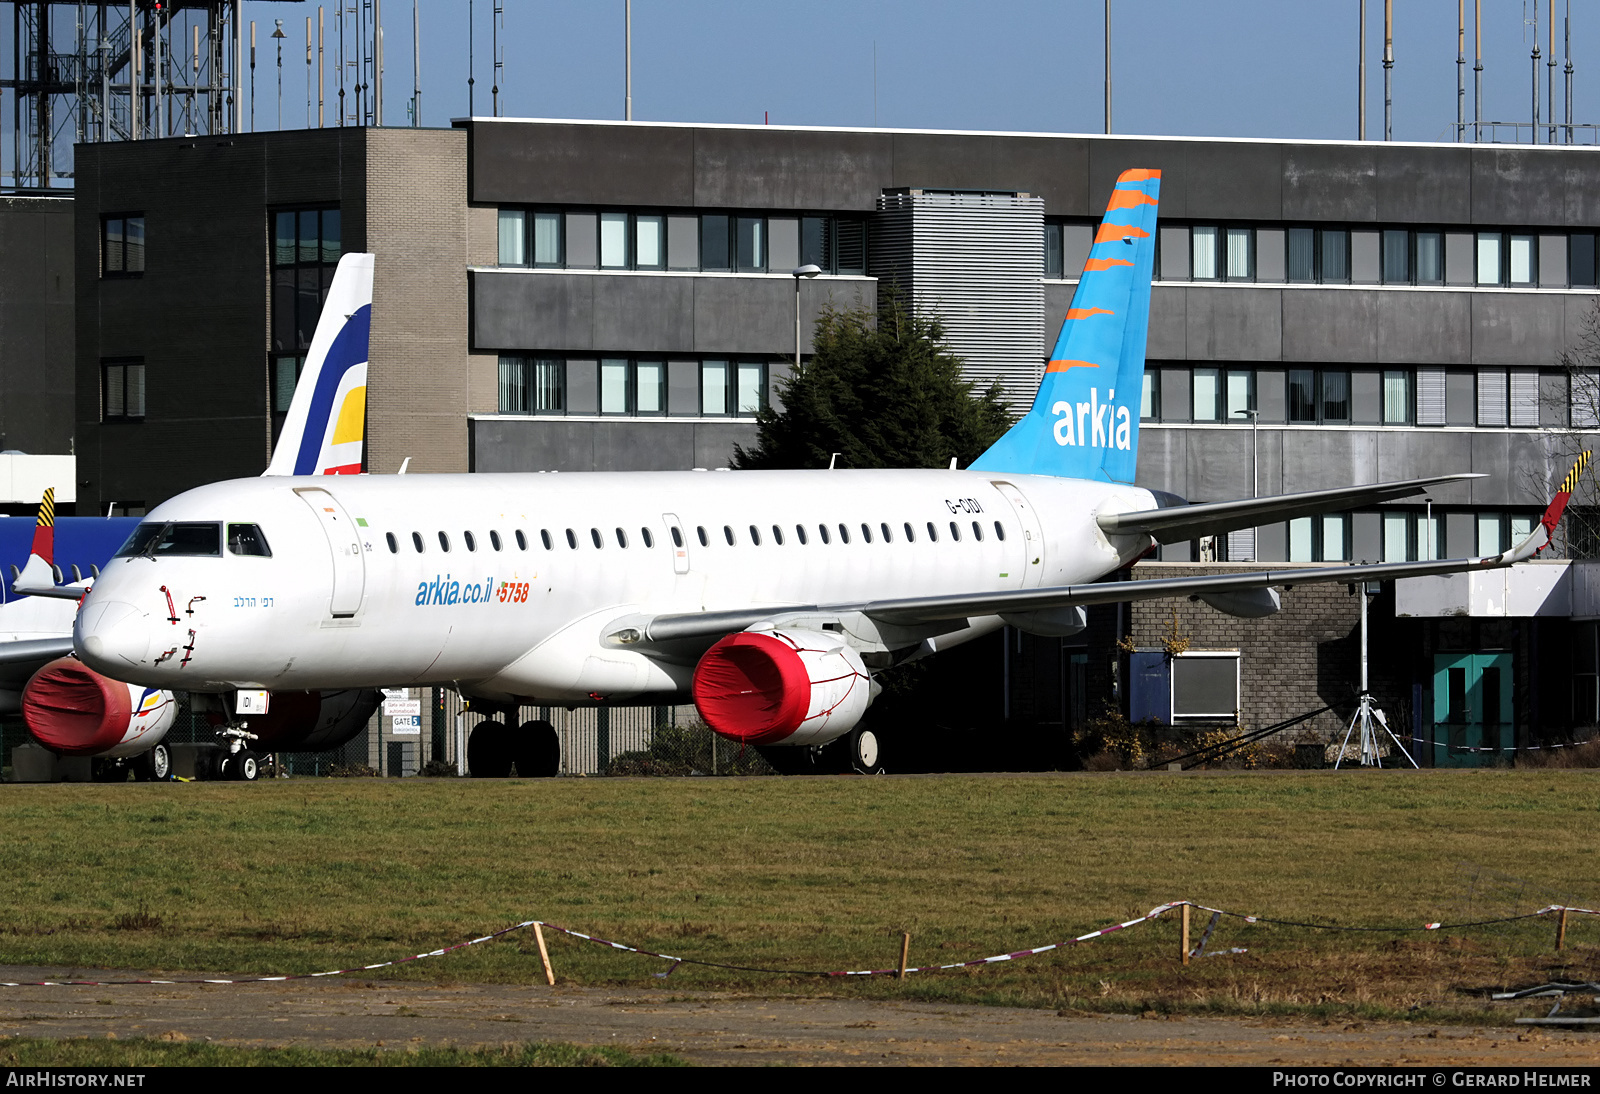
{"points": [[807, 270]]}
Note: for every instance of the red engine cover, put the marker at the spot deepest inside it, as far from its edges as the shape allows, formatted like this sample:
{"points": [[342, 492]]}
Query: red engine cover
{"points": [[752, 688], [74, 711]]}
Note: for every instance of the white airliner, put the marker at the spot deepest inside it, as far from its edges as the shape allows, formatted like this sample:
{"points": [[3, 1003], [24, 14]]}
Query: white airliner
{"points": [[771, 598]]}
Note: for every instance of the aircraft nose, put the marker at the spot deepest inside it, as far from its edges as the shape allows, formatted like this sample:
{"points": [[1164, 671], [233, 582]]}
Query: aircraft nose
{"points": [[111, 635]]}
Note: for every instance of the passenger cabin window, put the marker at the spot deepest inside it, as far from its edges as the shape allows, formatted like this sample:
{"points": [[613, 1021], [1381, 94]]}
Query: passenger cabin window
{"points": [[572, 539], [544, 535], [999, 530], [394, 548], [649, 540], [705, 541], [192, 538], [416, 541], [472, 543], [755, 535], [844, 534], [955, 531], [911, 537], [727, 533], [246, 539], [822, 530], [594, 534], [494, 539], [777, 535], [884, 528], [977, 531], [933, 533], [866, 533], [800, 533], [622, 538], [444, 543], [677, 537]]}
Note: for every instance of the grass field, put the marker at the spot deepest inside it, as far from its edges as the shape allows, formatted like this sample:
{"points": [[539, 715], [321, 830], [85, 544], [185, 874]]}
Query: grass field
{"points": [[305, 875]]}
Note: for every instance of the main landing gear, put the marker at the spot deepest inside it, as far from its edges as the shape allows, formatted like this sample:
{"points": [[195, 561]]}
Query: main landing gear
{"points": [[860, 752], [494, 749]]}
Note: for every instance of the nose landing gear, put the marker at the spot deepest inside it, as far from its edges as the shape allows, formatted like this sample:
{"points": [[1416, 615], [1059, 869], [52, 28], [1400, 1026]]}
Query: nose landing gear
{"points": [[238, 761]]}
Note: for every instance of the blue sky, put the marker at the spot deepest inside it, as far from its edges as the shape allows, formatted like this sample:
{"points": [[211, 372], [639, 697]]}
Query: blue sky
{"points": [[1251, 68]]}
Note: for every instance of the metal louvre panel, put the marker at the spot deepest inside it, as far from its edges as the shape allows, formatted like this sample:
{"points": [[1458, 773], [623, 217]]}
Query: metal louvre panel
{"points": [[976, 261], [1524, 397], [1492, 397], [1430, 396]]}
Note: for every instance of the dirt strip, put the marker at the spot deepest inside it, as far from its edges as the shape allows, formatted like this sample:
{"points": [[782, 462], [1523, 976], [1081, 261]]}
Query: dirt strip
{"points": [[724, 1029]]}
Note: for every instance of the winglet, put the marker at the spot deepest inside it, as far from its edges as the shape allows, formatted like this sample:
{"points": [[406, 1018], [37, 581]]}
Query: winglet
{"points": [[324, 432], [1545, 530]]}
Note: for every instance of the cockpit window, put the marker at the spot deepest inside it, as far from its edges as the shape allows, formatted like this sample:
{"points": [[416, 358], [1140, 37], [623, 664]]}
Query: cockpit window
{"points": [[246, 539], [176, 538]]}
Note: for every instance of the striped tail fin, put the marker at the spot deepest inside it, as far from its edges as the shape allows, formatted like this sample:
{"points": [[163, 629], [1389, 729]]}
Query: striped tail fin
{"points": [[1085, 419], [325, 430], [1545, 530], [44, 528]]}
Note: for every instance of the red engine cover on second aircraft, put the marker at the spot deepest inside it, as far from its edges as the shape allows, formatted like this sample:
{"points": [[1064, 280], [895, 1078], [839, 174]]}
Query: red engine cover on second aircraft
{"points": [[74, 711], [795, 687]]}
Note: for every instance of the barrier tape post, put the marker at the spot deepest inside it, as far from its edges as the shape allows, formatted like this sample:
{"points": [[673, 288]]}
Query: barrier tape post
{"points": [[544, 953], [1561, 930], [905, 952], [1186, 932]]}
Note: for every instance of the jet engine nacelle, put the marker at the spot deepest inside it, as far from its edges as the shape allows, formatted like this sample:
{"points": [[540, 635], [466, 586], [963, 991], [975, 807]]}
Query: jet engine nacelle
{"points": [[789, 687], [308, 721], [74, 711]]}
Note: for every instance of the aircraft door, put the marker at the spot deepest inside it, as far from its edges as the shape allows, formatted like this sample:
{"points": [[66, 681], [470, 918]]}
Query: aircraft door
{"points": [[678, 541], [344, 544], [1032, 533]]}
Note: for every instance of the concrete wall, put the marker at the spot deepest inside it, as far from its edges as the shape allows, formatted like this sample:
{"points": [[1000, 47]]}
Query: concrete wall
{"points": [[559, 311], [36, 332], [777, 167]]}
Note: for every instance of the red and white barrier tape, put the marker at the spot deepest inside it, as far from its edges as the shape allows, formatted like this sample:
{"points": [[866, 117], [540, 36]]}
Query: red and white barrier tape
{"points": [[1159, 910]]}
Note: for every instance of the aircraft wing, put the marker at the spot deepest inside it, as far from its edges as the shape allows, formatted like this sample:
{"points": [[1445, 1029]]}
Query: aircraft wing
{"points": [[926, 610], [1176, 523]]}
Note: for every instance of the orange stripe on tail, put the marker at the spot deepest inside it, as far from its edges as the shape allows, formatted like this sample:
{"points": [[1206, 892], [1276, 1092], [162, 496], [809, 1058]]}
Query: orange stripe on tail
{"points": [[1116, 232], [1085, 313], [1104, 264], [1139, 174], [1063, 366], [1130, 199]]}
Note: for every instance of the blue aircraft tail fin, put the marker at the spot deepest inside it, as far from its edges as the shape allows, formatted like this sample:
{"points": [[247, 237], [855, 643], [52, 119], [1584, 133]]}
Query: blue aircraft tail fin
{"points": [[1085, 419]]}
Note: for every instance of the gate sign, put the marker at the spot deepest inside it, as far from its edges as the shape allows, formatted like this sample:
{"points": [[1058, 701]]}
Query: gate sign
{"points": [[405, 717]]}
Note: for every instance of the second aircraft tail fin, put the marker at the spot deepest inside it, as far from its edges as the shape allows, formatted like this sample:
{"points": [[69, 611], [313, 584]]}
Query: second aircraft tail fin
{"points": [[325, 431], [1085, 419]]}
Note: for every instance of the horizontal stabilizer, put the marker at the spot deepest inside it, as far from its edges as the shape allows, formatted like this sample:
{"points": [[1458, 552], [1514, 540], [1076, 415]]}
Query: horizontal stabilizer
{"points": [[38, 578], [1184, 522]]}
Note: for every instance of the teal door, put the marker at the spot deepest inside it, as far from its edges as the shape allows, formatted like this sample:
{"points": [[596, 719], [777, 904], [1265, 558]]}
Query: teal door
{"points": [[1472, 724]]}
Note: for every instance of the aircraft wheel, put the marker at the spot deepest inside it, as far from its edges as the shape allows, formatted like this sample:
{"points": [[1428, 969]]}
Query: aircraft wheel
{"points": [[488, 751], [538, 751], [246, 766], [864, 751], [153, 766]]}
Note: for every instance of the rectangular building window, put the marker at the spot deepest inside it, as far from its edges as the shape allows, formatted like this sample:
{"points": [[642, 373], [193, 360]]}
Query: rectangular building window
{"points": [[1396, 398], [750, 245], [122, 246], [1302, 254], [122, 390], [613, 241], [304, 245], [1241, 395], [513, 237], [1302, 396], [1396, 257], [1052, 251], [1493, 401], [1205, 687], [1581, 260], [1241, 254], [547, 239], [1489, 256], [1334, 401], [649, 242], [582, 241], [1206, 394], [1430, 258], [1174, 257], [1523, 262], [1333, 257], [1203, 252]]}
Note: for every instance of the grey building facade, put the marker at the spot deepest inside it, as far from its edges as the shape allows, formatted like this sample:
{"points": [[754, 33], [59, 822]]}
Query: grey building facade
{"points": [[617, 296]]}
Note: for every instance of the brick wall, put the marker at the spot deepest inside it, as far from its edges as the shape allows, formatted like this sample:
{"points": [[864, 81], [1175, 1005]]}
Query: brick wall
{"points": [[420, 384]]}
